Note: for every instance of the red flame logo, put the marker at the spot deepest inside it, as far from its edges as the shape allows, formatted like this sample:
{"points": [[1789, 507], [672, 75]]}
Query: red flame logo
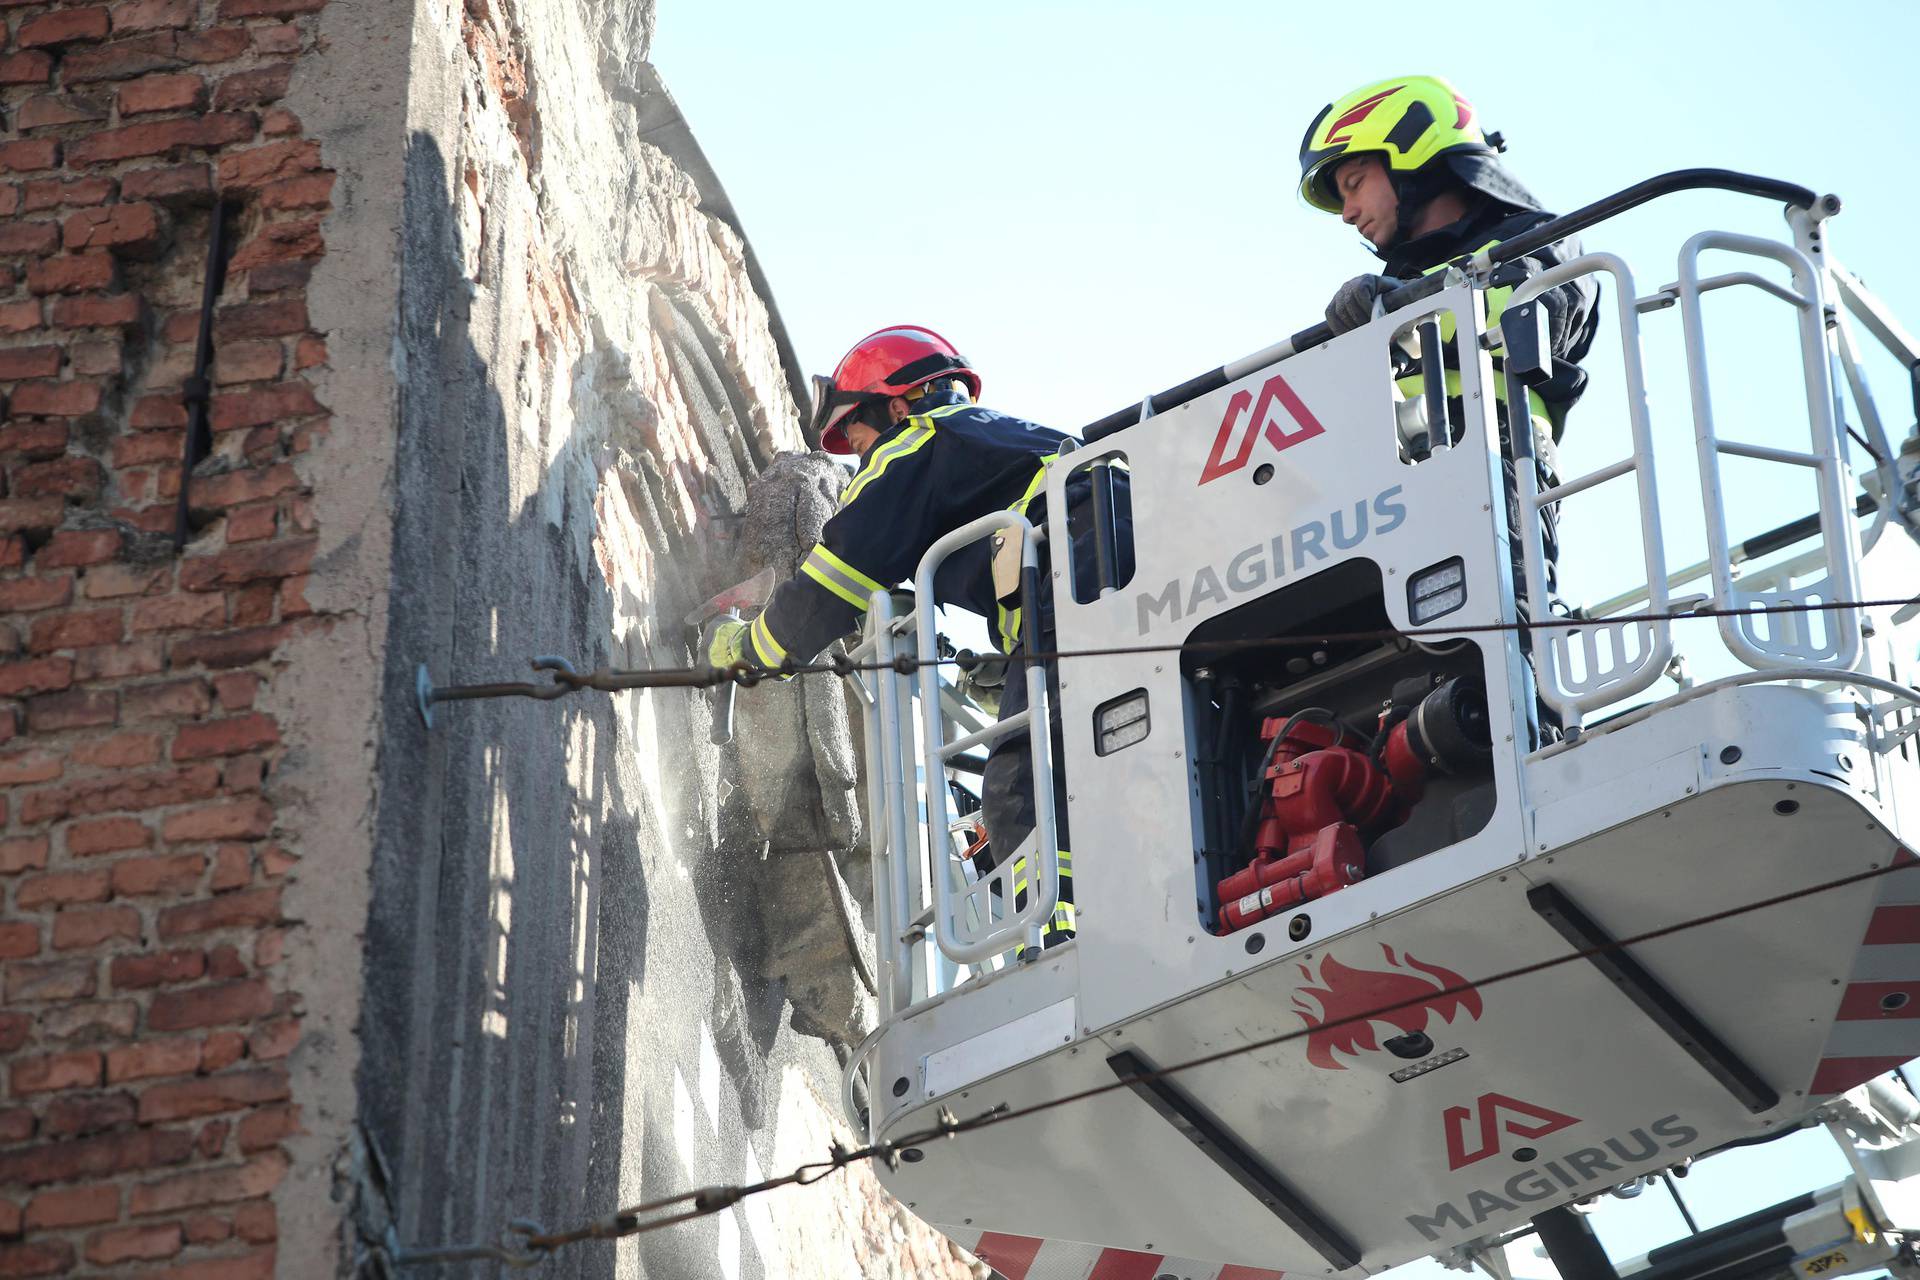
{"points": [[1352, 1002]]}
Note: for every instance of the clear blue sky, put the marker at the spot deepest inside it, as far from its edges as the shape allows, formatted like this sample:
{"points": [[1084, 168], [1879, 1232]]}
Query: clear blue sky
{"points": [[1097, 200]]}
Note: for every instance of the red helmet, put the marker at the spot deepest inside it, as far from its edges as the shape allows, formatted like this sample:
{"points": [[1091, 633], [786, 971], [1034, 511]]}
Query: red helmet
{"points": [[890, 362]]}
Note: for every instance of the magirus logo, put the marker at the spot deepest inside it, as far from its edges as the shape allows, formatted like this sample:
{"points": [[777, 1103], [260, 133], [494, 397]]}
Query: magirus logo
{"points": [[1556, 1179], [1409, 993], [1260, 422]]}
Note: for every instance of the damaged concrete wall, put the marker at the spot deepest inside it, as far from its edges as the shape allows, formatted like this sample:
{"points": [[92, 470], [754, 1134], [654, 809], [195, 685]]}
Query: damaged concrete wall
{"points": [[590, 939]]}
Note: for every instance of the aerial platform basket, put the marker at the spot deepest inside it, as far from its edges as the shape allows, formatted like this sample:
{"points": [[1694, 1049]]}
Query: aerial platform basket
{"points": [[1293, 517]]}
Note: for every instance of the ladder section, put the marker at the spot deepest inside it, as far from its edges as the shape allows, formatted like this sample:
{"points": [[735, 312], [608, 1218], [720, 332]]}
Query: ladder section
{"points": [[1600, 662], [1758, 638]]}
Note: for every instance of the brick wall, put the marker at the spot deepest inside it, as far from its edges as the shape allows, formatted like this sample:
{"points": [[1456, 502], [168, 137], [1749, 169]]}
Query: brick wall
{"points": [[147, 1020]]}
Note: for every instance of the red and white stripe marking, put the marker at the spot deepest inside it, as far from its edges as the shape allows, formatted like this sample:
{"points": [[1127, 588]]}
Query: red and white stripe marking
{"points": [[1031, 1258], [1878, 1025]]}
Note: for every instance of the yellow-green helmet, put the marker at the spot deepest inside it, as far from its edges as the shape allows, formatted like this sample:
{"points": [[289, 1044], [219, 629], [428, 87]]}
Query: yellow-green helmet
{"points": [[1407, 121]]}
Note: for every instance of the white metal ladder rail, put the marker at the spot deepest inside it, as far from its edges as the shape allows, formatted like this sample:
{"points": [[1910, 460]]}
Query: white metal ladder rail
{"points": [[1787, 638], [974, 921], [1616, 659]]}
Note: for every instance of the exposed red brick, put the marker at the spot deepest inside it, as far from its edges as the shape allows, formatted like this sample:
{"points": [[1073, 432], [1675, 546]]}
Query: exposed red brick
{"points": [[35, 440], [151, 1058], [242, 774], [62, 27], [160, 137], [159, 968], [119, 661], [24, 595], [32, 67], [85, 839], [252, 524], [20, 767], [153, 15], [75, 630], [48, 1072], [256, 1222], [23, 853], [222, 911], [90, 1022], [261, 405], [164, 92], [20, 317], [53, 193], [19, 940], [112, 581], [134, 877], [36, 1258], [278, 277], [274, 1040], [75, 928], [123, 59], [144, 447], [280, 242], [210, 1095], [72, 477], [28, 362], [50, 109], [259, 360], [76, 1115], [49, 980], [133, 230], [253, 603], [177, 185], [223, 962], [279, 38], [216, 44], [14, 1029], [77, 548], [232, 868], [168, 613], [236, 689], [307, 191], [134, 1244], [73, 1207], [74, 273], [260, 320], [74, 709], [257, 1177], [59, 399], [96, 357], [229, 648], [99, 1157], [175, 699], [240, 820], [57, 888], [206, 1228], [16, 1125], [273, 162], [158, 412], [224, 738], [253, 88], [209, 1006], [27, 239], [29, 156], [95, 311], [122, 792], [27, 513]]}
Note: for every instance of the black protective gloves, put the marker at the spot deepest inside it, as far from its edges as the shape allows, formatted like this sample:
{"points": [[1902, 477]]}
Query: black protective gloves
{"points": [[1352, 304]]}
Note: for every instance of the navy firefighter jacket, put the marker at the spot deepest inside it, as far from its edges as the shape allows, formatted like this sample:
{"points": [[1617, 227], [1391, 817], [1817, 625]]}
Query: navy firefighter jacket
{"points": [[950, 463]]}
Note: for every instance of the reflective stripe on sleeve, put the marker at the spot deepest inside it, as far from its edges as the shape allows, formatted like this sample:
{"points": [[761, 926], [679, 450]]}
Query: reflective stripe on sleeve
{"points": [[919, 431], [1009, 619], [839, 577], [770, 651]]}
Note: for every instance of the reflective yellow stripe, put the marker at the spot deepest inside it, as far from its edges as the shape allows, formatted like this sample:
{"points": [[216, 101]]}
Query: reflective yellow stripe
{"points": [[839, 577], [883, 457], [1009, 619], [770, 651]]}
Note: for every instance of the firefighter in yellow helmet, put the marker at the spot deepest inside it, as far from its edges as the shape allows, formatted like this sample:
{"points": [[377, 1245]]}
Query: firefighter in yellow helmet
{"points": [[1406, 163]]}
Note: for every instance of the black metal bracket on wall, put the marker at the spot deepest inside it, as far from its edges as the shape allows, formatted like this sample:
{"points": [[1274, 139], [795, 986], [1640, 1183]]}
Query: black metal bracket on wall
{"points": [[197, 391]]}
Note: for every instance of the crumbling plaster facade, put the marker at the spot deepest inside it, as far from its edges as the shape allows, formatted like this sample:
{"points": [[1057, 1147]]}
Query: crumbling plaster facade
{"points": [[578, 974]]}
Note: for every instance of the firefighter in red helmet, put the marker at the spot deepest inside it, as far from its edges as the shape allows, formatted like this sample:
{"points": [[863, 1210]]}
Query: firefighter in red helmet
{"points": [[931, 460]]}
